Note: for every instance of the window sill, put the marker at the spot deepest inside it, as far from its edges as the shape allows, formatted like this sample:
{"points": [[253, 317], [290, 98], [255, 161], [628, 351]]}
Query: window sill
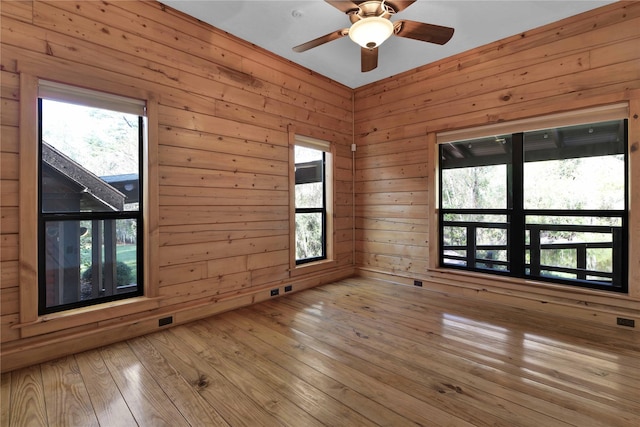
{"points": [[312, 267], [90, 316]]}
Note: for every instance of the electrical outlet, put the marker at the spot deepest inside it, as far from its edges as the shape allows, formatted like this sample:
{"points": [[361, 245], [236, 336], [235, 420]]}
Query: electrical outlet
{"points": [[626, 322], [417, 283], [275, 292], [165, 321], [288, 288]]}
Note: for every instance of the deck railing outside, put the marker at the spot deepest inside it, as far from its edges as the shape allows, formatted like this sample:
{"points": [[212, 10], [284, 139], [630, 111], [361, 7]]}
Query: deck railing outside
{"points": [[497, 257]]}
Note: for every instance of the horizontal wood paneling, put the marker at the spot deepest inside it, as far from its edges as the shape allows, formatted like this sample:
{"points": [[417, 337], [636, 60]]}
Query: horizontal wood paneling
{"points": [[224, 107], [587, 60], [224, 231], [216, 142], [512, 51], [222, 153]]}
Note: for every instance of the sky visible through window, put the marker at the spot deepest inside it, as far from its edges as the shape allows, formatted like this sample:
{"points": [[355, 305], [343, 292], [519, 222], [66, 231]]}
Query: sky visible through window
{"points": [[104, 142]]}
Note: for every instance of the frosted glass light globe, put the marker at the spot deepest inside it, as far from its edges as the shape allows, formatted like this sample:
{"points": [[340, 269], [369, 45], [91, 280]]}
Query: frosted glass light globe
{"points": [[371, 32]]}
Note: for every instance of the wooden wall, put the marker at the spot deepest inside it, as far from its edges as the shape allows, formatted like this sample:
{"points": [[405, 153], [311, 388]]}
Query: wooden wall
{"points": [[223, 111], [224, 108], [588, 60]]}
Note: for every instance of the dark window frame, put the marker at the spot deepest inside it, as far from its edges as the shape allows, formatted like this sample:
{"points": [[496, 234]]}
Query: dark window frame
{"points": [[516, 227], [46, 217], [302, 178]]}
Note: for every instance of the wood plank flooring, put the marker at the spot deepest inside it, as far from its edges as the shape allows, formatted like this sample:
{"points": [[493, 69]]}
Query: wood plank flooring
{"points": [[354, 353]]}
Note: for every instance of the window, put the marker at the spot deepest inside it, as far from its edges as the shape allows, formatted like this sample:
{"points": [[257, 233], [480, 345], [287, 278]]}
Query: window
{"points": [[549, 204], [311, 199], [89, 197]]}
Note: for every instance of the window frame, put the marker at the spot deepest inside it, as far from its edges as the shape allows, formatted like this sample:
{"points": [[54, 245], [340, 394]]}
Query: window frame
{"points": [[31, 323], [328, 148], [517, 129], [321, 210], [93, 99]]}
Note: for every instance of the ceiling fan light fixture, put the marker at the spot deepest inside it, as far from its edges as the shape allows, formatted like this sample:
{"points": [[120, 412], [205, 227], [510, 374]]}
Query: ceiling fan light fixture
{"points": [[371, 32]]}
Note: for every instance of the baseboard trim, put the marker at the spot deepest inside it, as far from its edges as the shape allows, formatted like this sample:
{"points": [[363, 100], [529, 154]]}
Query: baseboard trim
{"points": [[596, 310], [30, 351]]}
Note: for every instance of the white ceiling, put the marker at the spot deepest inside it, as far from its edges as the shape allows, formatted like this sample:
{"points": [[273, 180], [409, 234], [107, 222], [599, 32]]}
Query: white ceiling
{"points": [[279, 25]]}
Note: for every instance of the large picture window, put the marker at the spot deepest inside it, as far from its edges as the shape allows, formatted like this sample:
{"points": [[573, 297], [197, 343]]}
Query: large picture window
{"points": [[549, 204], [89, 197]]}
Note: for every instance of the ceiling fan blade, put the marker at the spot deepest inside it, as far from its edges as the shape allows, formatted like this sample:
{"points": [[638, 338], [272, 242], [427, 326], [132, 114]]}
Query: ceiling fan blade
{"points": [[321, 40], [368, 59], [343, 6], [399, 5], [423, 32]]}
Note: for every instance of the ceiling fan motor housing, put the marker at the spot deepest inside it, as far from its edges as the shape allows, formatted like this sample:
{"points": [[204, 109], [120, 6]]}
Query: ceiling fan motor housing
{"points": [[371, 8]]}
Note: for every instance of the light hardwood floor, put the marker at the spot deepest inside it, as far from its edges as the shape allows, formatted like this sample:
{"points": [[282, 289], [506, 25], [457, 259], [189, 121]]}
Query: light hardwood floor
{"points": [[353, 353]]}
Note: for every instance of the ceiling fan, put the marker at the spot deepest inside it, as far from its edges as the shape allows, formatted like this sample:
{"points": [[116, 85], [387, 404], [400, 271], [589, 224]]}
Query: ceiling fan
{"points": [[371, 26]]}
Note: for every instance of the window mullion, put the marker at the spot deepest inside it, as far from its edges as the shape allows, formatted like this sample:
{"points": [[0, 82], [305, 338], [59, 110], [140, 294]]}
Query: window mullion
{"points": [[517, 220]]}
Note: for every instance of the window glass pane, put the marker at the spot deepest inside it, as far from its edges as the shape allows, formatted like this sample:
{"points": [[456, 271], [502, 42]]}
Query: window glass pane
{"points": [[309, 195], [491, 248], [483, 238], [309, 169], [459, 217], [455, 245], [613, 221], [583, 183], [86, 260], [304, 154], [474, 173], [89, 159], [493, 150], [481, 187], [575, 248], [576, 167], [309, 235], [309, 204]]}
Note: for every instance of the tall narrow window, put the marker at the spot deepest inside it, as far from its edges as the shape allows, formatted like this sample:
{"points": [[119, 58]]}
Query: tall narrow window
{"points": [[549, 204], [90, 197], [311, 195]]}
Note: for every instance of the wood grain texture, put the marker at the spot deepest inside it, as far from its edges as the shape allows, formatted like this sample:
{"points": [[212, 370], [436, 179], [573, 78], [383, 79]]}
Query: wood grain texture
{"points": [[218, 230], [184, 394], [217, 156], [584, 61], [354, 352], [66, 397], [27, 398], [108, 404], [145, 398], [634, 192], [28, 224], [5, 398]]}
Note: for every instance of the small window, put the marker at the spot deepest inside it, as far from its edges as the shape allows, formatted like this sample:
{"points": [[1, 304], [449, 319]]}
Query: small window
{"points": [[549, 204], [90, 197], [310, 199]]}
